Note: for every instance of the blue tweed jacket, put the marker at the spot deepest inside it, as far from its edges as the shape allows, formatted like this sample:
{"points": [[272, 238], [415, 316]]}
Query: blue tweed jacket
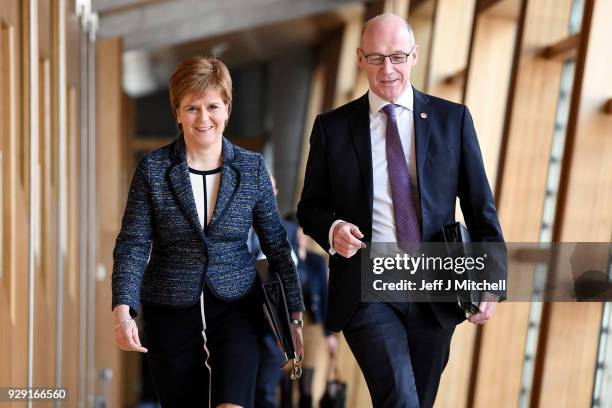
{"points": [[162, 254]]}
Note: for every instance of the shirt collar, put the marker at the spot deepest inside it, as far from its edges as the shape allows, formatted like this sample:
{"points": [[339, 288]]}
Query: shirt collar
{"points": [[405, 100]]}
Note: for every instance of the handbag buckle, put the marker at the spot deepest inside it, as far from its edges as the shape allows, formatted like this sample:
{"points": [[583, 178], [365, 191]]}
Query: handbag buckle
{"points": [[296, 371]]}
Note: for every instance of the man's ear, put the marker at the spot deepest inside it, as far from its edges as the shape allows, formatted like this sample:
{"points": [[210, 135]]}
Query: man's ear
{"points": [[359, 56], [415, 55]]}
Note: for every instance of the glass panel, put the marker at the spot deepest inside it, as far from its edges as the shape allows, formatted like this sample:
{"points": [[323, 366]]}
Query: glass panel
{"points": [[575, 21], [602, 388], [548, 219]]}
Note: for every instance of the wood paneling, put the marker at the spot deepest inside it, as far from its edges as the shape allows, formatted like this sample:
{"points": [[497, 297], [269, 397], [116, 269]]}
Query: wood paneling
{"points": [[490, 63], [13, 303], [421, 18], [449, 48], [45, 275], [529, 127], [109, 179], [571, 344]]}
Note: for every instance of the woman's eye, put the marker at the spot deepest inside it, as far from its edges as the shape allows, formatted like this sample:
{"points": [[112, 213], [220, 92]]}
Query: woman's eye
{"points": [[191, 109], [213, 107]]}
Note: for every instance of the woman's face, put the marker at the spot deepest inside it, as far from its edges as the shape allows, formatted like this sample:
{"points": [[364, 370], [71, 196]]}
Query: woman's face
{"points": [[203, 118]]}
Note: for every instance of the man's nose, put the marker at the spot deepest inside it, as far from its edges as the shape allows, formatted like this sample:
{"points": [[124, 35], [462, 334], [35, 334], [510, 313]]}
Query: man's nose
{"points": [[387, 65]]}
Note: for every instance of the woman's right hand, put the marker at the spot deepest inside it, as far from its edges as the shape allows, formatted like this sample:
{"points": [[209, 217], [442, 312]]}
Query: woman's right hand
{"points": [[126, 331]]}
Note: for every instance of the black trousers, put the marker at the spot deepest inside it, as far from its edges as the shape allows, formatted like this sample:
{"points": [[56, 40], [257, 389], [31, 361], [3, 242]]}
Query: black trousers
{"points": [[401, 350]]}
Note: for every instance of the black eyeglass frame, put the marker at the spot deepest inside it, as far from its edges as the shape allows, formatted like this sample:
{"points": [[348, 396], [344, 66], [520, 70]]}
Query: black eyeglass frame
{"points": [[404, 54]]}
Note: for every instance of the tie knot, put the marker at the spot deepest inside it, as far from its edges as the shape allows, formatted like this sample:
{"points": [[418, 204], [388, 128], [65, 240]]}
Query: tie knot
{"points": [[389, 110]]}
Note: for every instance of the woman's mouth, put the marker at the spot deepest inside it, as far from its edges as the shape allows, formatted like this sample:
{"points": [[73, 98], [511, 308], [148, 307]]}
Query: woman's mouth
{"points": [[203, 129]]}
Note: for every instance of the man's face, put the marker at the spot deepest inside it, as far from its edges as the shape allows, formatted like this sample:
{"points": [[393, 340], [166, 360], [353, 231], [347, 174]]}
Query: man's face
{"points": [[383, 38]]}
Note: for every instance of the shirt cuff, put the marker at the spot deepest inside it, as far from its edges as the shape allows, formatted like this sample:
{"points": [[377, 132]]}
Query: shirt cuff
{"points": [[331, 250]]}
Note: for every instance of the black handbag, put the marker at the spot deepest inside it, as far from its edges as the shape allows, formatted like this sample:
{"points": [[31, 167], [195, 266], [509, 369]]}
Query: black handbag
{"points": [[277, 315], [335, 390], [455, 235]]}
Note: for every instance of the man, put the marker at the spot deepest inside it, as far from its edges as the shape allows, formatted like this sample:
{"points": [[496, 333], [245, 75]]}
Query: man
{"points": [[388, 167]]}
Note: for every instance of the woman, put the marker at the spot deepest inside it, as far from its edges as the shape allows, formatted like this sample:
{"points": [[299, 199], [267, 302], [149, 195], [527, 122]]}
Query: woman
{"points": [[190, 207]]}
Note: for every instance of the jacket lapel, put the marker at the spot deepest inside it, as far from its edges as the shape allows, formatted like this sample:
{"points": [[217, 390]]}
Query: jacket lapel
{"points": [[178, 179], [230, 179], [360, 134], [422, 117]]}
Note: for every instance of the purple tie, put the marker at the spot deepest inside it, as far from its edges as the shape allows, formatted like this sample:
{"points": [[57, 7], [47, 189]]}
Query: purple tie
{"points": [[406, 221]]}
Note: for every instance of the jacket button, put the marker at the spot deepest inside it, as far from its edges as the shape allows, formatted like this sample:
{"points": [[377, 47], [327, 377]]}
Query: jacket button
{"points": [[203, 259]]}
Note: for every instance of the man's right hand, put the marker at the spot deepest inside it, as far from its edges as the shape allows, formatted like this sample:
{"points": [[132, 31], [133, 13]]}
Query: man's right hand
{"points": [[347, 238]]}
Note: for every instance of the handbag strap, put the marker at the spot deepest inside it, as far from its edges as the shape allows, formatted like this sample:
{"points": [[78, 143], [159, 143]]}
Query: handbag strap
{"points": [[332, 370], [296, 371]]}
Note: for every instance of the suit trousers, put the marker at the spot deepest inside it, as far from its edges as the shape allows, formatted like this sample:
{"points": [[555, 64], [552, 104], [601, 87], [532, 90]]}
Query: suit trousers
{"points": [[402, 350]]}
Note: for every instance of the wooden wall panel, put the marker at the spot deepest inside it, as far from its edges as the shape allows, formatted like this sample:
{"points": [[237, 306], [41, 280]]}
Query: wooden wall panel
{"points": [[421, 18], [488, 79], [71, 302], [13, 303], [45, 274], [449, 49], [521, 194], [109, 178], [573, 333]]}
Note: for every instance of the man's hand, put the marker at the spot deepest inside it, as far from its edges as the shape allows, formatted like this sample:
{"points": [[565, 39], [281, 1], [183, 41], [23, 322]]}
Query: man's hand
{"points": [[347, 238], [486, 309], [332, 344]]}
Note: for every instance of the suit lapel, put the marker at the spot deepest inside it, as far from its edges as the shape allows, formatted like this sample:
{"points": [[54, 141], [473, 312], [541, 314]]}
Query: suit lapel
{"points": [[360, 135], [230, 179], [422, 117], [180, 184]]}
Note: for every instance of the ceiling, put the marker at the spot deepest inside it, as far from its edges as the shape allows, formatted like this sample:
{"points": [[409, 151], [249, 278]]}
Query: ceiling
{"points": [[157, 34]]}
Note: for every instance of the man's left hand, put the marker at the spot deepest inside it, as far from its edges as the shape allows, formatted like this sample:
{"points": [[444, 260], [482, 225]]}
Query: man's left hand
{"points": [[486, 309]]}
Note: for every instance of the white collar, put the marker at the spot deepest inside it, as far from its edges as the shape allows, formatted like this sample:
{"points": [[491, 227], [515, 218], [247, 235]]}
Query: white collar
{"points": [[405, 100]]}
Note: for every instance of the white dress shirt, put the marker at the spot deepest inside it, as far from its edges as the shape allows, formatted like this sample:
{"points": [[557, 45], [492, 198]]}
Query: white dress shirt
{"points": [[383, 219]]}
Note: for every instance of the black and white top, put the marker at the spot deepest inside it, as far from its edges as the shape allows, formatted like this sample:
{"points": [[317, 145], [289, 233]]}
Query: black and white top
{"points": [[205, 187]]}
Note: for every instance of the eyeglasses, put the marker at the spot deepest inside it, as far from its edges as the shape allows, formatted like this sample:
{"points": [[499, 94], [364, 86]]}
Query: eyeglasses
{"points": [[395, 58]]}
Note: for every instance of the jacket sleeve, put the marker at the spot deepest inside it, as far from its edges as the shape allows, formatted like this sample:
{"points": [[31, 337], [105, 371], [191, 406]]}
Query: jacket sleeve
{"points": [[133, 244], [478, 204], [273, 240], [315, 207]]}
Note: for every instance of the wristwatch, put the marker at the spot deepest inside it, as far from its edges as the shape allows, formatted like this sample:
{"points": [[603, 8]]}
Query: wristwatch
{"points": [[298, 322]]}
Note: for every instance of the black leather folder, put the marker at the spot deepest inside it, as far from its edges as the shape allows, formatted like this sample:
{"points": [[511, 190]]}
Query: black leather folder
{"points": [[456, 235]]}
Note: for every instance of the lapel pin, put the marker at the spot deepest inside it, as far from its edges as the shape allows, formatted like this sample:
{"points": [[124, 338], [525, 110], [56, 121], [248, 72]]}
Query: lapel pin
{"points": [[423, 115]]}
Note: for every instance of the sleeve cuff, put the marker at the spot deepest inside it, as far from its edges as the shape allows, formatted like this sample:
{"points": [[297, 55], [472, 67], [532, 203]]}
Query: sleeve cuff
{"points": [[330, 237]]}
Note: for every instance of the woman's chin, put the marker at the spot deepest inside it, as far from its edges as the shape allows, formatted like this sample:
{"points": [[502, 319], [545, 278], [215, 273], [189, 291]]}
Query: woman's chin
{"points": [[204, 141]]}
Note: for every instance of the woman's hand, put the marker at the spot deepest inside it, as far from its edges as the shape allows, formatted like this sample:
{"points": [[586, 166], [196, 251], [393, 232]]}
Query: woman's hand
{"points": [[126, 331], [298, 340], [296, 331]]}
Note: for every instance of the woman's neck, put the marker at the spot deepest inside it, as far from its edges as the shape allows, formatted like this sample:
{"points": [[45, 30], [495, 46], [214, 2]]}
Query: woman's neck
{"points": [[205, 158]]}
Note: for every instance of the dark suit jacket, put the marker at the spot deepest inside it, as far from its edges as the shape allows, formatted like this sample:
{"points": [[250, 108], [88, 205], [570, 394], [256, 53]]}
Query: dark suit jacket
{"points": [[338, 185], [161, 220]]}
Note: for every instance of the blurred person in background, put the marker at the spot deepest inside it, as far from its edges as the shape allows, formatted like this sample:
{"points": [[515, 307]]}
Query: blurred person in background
{"points": [[182, 252], [319, 344], [270, 364]]}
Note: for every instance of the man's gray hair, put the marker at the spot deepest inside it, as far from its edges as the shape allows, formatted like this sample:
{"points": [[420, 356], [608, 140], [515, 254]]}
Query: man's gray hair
{"points": [[378, 17]]}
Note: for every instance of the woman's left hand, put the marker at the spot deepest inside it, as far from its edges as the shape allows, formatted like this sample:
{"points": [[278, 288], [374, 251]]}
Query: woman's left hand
{"points": [[298, 340]]}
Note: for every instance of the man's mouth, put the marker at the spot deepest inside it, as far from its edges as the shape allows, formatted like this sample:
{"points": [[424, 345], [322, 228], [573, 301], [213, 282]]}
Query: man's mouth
{"points": [[388, 81]]}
